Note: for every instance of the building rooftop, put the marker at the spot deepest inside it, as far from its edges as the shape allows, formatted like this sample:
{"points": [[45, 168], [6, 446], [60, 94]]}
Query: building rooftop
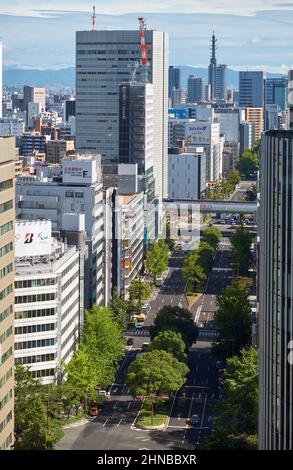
{"points": [[127, 198]]}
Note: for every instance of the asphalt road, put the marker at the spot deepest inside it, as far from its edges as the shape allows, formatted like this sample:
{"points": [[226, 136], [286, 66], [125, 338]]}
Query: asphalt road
{"points": [[114, 429]]}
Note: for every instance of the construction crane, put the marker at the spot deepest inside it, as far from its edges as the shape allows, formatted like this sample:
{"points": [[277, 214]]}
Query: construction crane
{"points": [[144, 49], [94, 17]]}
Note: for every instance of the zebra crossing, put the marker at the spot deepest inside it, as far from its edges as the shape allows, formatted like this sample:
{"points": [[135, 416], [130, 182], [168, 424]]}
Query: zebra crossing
{"points": [[208, 333]]}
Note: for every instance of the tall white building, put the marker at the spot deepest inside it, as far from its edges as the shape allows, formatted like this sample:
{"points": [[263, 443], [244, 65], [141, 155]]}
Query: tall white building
{"points": [[102, 64], [48, 294], [74, 203]]}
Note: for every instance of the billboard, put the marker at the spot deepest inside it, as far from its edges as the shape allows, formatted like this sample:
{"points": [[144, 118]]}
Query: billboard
{"points": [[197, 133], [33, 238], [79, 171]]}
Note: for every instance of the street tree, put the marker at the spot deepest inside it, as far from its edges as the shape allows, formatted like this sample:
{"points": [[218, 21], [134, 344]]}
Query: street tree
{"points": [[155, 374], [234, 177], [139, 291], [241, 256], [212, 236], [157, 259], [119, 309], [205, 253], [248, 163], [172, 342], [192, 269], [176, 319], [233, 319]]}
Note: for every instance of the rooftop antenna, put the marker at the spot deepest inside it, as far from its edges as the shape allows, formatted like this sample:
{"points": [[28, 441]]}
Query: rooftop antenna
{"points": [[133, 67], [94, 17], [143, 48]]}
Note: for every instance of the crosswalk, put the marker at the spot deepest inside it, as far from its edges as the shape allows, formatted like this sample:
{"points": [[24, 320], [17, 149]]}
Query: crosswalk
{"points": [[208, 333]]}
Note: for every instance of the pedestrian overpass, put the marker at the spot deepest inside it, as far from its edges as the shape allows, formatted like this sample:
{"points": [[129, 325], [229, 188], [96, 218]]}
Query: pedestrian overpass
{"points": [[205, 206]]}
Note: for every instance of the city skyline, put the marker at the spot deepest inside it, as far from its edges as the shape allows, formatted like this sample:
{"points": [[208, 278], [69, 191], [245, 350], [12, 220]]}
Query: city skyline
{"points": [[249, 28]]}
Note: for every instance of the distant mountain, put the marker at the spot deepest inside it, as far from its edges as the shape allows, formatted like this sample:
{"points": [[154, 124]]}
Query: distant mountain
{"points": [[66, 77], [233, 75], [45, 78]]}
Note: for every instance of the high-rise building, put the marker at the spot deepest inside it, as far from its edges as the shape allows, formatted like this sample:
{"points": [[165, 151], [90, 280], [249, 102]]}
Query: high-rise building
{"points": [[251, 89], [195, 89], [275, 292], [187, 173], [174, 79], [7, 216], [256, 116], [58, 149], [178, 97], [290, 98], [102, 64], [217, 75], [69, 109], [276, 92], [48, 301], [247, 136], [34, 95]]}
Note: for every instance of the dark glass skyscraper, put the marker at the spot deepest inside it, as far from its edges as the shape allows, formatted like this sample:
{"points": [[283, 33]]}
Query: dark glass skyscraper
{"points": [[276, 92], [276, 292], [174, 79], [251, 89]]}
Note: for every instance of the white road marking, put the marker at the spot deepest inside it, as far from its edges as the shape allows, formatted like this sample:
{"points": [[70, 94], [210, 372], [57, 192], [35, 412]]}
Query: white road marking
{"points": [[119, 423], [105, 422], [129, 405], [115, 406]]}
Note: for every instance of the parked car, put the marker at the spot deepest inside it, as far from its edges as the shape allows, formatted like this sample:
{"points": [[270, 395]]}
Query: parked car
{"points": [[130, 342], [194, 419], [94, 411]]}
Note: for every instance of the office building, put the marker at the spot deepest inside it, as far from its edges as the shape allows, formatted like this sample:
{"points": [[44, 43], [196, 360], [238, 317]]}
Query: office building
{"points": [[132, 237], [256, 115], [74, 203], [69, 109], [247, 136], [11, 127], [174, 79], [178, 97], [34, 95], [251, 89], [48, 295], [33, 112], [102, 63], [31, 142], [275, 292], [7, 216], [58, 149], [275, 118], [187, 173], [276, 90], [290, 98], [195, 92], [217, 75]]}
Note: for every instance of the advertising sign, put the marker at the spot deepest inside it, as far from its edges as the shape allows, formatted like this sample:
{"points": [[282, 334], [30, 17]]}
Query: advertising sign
{"points": [[33, 238], [79, 171], [197, 134]]}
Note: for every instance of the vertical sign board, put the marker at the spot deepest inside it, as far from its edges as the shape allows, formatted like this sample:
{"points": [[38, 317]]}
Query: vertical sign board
{"points": [[33, 238]]}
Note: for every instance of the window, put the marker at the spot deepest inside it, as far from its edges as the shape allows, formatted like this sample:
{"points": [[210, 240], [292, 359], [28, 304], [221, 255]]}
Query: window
{"points": [[5, 292], [5, 377], [26, 284], [6, 249], [34, 359], [23, 330], [5, 399], [82, 207], [6, 206], [6, 334], [24, 299], [8, 311], [6, 420], [69, 194], [46, 312], [6, 270], [78, 195], [6, 184], [72, 207], [6, 228], [39, 343], [43, 373], [5, 356]]}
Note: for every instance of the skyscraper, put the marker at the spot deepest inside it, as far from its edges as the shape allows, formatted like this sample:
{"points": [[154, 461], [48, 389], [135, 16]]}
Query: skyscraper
{"points": [[276, 92], [217, 75], [1, 79], [275, 292], [7, 214], [102, 64], [174, 79], [251, 89], [194, 89], [290, 98], [34, 95]]}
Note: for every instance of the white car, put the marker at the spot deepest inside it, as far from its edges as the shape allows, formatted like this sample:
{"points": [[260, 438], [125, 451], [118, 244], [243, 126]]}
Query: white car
{"points": [[139, 324]]}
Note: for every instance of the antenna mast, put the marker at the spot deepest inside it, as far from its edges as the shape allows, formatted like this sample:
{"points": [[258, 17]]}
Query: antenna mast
{"points": [[94, 18]]}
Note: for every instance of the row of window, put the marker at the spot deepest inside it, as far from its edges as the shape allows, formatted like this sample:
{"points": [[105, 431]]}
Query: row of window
{"points": [[74, 334], [6, 444], [70, 267], [6, 228], [77, 194], [5, 356], [5, 421], [6, 399], [38, 343], [6, 206], [69, 295], [34, 313], [23, 330], [6, 334], [5, 292], [6, 270], [70, 281], [8, 311], [25, 299], [36, 374], [5, 377], [6, 249], [35, 359], [68, 310], [6, 184], [35, 283]]}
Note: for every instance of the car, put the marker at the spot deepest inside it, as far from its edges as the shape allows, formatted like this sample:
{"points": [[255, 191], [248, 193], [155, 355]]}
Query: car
{"points": [[146, 308], [210, 224], [94, 411], [139, 324], [144, 347], [223, 222], [129, 341], [194, 419]]}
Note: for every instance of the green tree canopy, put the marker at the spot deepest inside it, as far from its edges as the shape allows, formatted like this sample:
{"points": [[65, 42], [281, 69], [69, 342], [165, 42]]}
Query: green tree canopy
{"points": [[205, 253], [157, 258], [233, 319], [175, 319], [192, 269], [241, 242], [139, 291], [248, 163], [212, 236], [119, 309], [172, 342]]}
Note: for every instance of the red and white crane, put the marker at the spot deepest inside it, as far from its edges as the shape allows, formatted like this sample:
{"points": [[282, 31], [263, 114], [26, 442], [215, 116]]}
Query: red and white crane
{"points": [[144, 48]]}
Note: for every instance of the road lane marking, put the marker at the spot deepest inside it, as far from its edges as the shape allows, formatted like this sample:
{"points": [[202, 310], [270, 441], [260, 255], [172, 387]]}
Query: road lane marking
{"points": [[106, 422], [119, 423], [129, 405], [203, 411], [115, 406]]}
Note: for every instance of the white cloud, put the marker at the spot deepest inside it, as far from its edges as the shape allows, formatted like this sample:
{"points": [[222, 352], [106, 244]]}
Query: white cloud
{"points": [[117, 7]]}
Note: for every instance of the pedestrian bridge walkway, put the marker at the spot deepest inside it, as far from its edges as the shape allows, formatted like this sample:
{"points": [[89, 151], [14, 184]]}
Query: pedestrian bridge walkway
{"points": [[204, 205]]}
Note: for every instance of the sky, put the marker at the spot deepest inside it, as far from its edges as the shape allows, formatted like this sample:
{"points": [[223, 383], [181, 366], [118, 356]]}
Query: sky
{"points": [[252, 34]]}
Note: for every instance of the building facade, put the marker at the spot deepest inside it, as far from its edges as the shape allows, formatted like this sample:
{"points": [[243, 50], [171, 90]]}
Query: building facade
{"points": [[251, 89], [195, 89], [174, 79], [102, 64], [256, 115], [187, 174], [276, 292], [7, 275]]}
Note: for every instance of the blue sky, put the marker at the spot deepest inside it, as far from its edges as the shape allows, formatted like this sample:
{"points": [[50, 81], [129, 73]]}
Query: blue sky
{"points": [[252, 33]]}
